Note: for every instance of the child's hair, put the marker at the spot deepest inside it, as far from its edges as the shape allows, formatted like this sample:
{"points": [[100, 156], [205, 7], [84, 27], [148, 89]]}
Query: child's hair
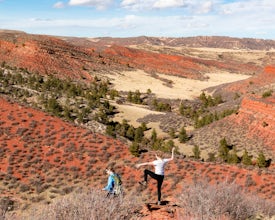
{"points": [[109, 168]]}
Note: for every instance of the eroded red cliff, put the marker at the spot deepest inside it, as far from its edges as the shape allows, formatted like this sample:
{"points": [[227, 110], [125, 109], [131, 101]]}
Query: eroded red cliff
{"points": [[259, 116], [254, 83]]}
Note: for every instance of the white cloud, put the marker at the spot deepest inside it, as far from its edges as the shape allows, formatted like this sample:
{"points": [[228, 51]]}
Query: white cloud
{"points": [[151, 4], [251, 6], [129, 25], [242, 18], [205, 7], [168, 4], [99, 4], [136, 4], [59, 5]]}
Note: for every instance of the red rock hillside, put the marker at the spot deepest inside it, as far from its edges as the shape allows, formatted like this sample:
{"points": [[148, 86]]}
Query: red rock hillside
{"points": [[257, 110], [38, 150], [174, 64], [252, 128], [50, 55], [43, 157], [70, 58], [259, 115], [254, 84]]}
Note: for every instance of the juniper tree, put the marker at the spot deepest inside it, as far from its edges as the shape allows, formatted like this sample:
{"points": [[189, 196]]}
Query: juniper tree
{"points": [[233, 157], [123, 128], [134, 149], [172, 133], [168, 146], [261, 160], [223, 149], [130, 96], [143, 126], [211, 157], [154, 136], [138, 134], [183, 137], [130, 134], [246, 159], [196, 152]]}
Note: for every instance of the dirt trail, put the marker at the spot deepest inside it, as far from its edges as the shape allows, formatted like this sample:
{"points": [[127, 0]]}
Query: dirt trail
{"points": [[166, 211]]}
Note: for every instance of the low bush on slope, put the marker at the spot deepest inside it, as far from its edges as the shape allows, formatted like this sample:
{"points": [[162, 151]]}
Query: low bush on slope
{"points": [[222, 201]]}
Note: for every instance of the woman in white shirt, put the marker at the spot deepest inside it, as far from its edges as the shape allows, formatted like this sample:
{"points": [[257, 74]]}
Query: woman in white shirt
{"points": [[158, 175]]}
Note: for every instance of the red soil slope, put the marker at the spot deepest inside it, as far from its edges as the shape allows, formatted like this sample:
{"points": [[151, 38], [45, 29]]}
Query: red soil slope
{"points": [[35, 145], [45, 55], [255, 83], [252, 128], [173, 64], [258, 115], [64, 58], [40, 152]]}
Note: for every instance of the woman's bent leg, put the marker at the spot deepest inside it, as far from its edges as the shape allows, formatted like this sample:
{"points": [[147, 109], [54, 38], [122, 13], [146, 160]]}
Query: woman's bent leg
{"points": [[157, 177]]}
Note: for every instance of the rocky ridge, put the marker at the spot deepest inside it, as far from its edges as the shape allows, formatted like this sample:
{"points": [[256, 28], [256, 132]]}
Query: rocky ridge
{"points": [[199, 41]]}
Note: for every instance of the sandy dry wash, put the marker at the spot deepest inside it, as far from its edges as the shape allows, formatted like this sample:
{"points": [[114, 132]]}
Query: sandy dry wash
{"points": [[181, 88]]}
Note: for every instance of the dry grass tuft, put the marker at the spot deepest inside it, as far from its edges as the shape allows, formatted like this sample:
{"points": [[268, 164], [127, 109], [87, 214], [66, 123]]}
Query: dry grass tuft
{"points": [[222, 201], [86, 206]]}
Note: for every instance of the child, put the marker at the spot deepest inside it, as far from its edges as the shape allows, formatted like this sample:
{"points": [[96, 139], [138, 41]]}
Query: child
{"points": [[111, 182]]}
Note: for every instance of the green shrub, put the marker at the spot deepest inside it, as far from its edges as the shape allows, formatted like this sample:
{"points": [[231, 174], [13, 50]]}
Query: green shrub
{"points": [[261, 160], [267, 93], [196, 152], [246, 159], [134, 149]]}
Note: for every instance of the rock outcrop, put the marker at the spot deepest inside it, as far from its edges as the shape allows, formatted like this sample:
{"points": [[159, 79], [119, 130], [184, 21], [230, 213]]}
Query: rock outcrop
{"points": [[259, 116], [199, 41]]}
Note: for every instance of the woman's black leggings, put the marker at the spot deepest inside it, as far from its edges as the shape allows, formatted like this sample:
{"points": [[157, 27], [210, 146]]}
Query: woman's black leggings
{"points": [[157, 177]]}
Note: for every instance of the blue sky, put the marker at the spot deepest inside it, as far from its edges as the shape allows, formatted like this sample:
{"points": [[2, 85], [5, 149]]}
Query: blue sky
{"points": [[127, 18]]}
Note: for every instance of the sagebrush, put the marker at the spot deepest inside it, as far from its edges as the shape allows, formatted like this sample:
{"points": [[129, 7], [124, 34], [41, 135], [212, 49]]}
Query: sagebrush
{"points": [[223, 200], [93, 205]]}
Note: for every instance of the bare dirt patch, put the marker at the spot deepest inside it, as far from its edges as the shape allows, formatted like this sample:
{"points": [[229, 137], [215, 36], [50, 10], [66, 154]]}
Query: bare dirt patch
{"points": [[179, 88]]}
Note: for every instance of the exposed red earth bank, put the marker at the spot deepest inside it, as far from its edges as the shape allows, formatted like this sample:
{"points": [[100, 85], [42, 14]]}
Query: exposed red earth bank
{"points": [[173, 64], [262, 81], [259, 115], [51, 55]]}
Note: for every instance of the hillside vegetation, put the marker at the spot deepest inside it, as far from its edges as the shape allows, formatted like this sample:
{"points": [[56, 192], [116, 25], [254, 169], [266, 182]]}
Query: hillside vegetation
{"points": [[59, 128]]}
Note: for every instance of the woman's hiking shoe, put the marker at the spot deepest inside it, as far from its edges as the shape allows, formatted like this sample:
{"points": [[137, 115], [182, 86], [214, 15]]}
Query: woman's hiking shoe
{"points": [[143, 183], [159, 203]]}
